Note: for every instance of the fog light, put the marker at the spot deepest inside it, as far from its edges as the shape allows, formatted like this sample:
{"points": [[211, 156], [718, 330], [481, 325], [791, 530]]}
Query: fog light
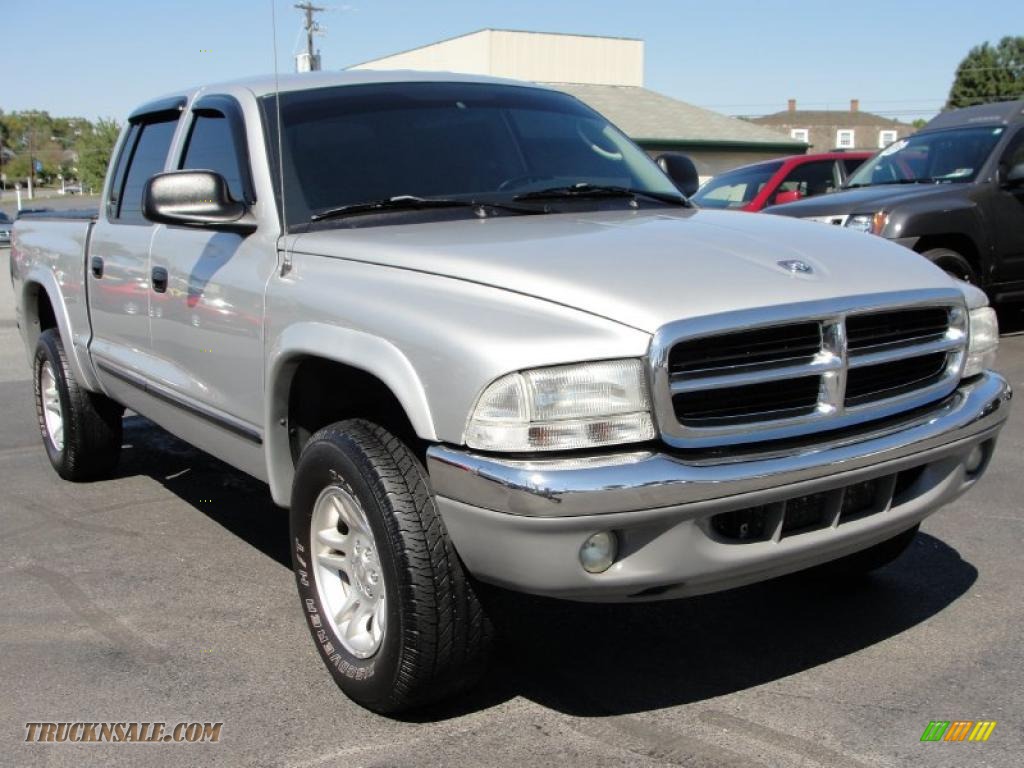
{"points": [[974, 460], [598, 552]]}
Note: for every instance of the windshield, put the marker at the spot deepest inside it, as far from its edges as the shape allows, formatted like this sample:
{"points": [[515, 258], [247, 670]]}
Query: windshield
{"points": [[736, 188], [473, 141], [943, 156]]}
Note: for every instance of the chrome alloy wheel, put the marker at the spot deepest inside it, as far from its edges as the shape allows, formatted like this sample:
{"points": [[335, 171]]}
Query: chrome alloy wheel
{"points": [[348, 575], [53, 416]]}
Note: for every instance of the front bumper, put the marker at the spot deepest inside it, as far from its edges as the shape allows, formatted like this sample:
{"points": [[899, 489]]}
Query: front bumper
{"points": [[520, 523]]}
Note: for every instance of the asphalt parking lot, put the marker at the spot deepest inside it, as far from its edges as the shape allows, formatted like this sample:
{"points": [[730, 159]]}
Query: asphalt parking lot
{"points": [[165, 594]]}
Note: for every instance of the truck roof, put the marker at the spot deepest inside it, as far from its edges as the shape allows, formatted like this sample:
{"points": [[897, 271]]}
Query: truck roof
{"points": [[262, 85], [997, 113]]}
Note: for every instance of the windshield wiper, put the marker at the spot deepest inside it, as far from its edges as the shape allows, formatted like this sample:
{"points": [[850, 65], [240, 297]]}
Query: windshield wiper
{"points": [[584, 189], [415, 203]]}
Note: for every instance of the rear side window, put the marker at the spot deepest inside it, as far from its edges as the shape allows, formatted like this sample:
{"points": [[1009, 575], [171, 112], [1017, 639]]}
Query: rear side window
{"points": [[212, 148], [147, 158], [117, 184], [810, 179]]}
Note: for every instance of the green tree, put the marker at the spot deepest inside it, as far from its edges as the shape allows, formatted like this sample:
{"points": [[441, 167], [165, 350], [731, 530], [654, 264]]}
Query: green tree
{"points": [[989, 73], [94, 150]]}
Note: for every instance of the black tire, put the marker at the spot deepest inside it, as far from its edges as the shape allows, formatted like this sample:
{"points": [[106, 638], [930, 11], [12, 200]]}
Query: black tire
{"points": [[92, 422], [867, 560], [437, 636], [953, 263]]}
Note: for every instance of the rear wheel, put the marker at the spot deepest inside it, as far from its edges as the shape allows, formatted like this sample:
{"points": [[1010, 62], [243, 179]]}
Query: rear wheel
{"points": [[81, 430], [953, 263], [392, 612]]}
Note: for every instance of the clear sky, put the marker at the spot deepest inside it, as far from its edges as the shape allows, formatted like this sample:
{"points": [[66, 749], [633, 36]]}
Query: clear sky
{"points": [[101, 58]]}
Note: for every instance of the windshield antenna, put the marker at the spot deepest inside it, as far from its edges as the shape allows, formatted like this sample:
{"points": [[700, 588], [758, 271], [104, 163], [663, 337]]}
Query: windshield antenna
{"points": [[286, 260]]}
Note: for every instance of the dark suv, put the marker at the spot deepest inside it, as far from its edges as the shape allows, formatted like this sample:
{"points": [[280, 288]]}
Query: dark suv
{"points": [[953, 192]]}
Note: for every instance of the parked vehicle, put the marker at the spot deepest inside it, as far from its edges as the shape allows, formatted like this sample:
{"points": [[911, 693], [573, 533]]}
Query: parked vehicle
{"points": [[953, 192], [468, 332], [776, 182], [5, 228]]}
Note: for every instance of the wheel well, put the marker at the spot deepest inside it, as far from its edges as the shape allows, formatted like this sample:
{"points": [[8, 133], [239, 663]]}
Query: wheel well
{"points": [[39, 314], [324, 391], [962, 244]]}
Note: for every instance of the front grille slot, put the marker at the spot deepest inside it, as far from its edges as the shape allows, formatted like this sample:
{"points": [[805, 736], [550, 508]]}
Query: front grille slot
{"points": [[752, 402], [810, 512], [878, 382], [789, 344], [897, 327]]}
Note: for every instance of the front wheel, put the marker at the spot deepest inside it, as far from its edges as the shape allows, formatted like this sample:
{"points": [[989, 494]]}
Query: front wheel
{"points": [[955, 265], [390, 608]]}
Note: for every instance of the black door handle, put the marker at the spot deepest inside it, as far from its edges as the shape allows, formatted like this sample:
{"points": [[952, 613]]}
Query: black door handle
{"points": [[159, 279], [97, 267]]}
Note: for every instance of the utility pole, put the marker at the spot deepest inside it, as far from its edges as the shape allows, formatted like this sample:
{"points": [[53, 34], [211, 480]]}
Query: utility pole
{"points": [[310, 60]]}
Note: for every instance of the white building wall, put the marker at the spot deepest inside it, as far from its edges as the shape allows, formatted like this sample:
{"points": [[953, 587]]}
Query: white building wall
{"points": [[535, 56]]}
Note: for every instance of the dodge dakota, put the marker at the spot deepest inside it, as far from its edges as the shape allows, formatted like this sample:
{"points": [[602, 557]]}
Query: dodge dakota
{"points": [[468, 333]]}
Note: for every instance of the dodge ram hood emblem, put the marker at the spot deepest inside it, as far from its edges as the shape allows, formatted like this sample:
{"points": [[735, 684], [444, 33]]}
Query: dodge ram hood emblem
{"points": [[796, 267]]}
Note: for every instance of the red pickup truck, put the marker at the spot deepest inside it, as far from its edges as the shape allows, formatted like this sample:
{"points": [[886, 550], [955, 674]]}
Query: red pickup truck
{"points": [[774, 182]]}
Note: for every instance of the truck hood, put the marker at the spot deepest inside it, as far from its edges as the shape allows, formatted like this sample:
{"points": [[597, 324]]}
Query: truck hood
{"points": [[641, 268], [863, 200]]}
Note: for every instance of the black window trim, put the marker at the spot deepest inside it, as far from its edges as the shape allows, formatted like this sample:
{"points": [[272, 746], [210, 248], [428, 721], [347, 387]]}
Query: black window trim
{"points": [[158, 111], [228, 107]]}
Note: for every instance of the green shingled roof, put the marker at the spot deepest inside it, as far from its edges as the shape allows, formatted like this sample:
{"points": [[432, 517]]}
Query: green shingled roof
{"points": [[648, 116]]}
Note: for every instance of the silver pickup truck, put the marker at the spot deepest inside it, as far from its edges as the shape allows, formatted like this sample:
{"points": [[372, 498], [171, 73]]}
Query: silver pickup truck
{"points": [[469, 333]]}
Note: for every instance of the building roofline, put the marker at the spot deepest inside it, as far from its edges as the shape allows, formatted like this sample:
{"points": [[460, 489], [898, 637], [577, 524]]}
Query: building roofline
{"points": [[491, 29]]}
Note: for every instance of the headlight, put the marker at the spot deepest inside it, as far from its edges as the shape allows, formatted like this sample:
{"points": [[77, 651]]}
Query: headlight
{"points": [[873, 223], [984, 341], [564, 408]]}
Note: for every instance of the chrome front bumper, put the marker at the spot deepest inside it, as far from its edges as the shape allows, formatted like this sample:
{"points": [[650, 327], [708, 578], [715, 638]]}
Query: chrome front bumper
{"points": [[521, 523]]}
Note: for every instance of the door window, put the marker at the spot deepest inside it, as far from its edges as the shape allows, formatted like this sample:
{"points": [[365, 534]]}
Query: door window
{"points": [[811, 179], [211, 147], [147, 158]]}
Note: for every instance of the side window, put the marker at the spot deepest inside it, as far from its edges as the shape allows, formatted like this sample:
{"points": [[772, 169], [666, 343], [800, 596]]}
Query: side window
{"points": [[148, 158], [810, 179], [117, 183], [1014, 154], [211, 147]]}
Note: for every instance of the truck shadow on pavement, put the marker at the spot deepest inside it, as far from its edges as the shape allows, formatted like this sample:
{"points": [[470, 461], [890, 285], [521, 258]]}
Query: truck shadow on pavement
{"points": [[237, 502], [597, 660], [594, 660]]}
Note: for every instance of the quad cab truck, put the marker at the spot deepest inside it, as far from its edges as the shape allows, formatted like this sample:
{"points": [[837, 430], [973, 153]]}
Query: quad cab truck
{"points": [[953, 192], [469, 334]]}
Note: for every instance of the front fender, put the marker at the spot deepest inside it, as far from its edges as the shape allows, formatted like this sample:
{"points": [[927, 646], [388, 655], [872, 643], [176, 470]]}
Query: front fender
{"points": [[355, 348]]}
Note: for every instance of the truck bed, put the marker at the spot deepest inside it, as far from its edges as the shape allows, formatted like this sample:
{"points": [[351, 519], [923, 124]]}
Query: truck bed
{"points": [[51, 249]]}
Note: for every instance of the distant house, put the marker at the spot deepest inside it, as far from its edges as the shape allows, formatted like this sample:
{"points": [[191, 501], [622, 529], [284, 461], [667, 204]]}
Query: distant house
{"points": [[827, 130], [606, 73]]}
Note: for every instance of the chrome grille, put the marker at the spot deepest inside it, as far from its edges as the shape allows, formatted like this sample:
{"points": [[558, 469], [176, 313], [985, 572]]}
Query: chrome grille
{"points": [[758, 375]]}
